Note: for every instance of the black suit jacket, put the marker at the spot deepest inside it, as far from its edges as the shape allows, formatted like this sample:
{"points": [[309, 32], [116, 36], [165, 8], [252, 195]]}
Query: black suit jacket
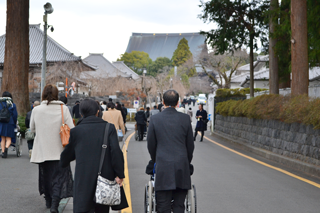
{"points": [[85, 146], [171, 145]]}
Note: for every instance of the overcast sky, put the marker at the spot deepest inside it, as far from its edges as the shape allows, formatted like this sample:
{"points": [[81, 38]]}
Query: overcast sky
{"points": [[105, 26]]}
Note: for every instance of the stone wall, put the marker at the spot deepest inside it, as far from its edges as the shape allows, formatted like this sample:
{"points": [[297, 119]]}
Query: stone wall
{"points": [[296, 141]]}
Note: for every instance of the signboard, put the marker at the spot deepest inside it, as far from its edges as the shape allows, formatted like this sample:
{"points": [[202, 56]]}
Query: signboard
{"points": [[136, 104]]}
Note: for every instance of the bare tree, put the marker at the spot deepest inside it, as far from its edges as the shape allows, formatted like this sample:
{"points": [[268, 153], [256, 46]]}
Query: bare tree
{"points": [[16, 60], [223, 65]]}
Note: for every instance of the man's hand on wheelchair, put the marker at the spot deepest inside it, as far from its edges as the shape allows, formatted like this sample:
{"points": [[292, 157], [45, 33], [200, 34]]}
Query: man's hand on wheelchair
{"points": [[119, 181]]}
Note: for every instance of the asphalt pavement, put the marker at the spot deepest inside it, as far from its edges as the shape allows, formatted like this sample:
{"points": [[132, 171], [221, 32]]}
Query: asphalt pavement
{"points": [[229, 183], [226, 182]]}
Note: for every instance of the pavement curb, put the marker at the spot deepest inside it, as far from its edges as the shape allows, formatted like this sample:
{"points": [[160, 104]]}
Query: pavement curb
{"points": [[293, 163]]}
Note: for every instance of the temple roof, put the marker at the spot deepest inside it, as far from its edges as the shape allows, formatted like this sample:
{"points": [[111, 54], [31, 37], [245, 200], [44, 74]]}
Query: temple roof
{"points": [[164, 44]]}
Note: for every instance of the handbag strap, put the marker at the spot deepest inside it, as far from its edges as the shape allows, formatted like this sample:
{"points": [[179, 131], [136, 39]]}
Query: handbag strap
{"points": [[104, 147], [62, 115]]}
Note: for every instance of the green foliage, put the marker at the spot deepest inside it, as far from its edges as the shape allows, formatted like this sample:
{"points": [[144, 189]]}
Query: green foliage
{"points": [[283, 35], [136, 60], [182, 53], [289, 109], [21, 120], [313, 7], [236, 92], [158, 65], [234, 20]]}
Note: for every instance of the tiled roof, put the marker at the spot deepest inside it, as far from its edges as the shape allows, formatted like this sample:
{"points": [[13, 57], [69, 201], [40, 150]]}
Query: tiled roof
{"points": [[55, 52], [163, 45], [123, 68], [105, 68]]}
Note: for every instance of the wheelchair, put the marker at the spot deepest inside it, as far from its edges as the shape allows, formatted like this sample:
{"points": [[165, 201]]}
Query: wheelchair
{"points": [[150, 199]]}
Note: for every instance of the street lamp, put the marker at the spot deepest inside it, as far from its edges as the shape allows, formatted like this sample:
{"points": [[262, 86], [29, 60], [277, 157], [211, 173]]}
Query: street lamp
{"points": [[48, 9], [144, 86]]}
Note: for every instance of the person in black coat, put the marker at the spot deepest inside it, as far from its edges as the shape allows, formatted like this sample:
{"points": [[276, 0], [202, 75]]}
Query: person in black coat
{"points": [[85, 147], [141, 120], [76, 110], [170, 144], [27, 123], [160, 106], [202, 120]]}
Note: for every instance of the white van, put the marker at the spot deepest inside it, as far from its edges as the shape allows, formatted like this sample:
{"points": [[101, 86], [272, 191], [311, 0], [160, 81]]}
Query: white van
{"points": [[202, 99]]}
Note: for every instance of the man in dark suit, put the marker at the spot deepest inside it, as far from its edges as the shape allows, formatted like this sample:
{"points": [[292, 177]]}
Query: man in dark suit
{"points": [[170, 144]]}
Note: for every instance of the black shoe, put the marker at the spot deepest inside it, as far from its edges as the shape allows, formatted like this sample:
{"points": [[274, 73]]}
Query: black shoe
{"points": [[48, 202], [201, 140], [55, 205], [194, 139], [5, 153]]}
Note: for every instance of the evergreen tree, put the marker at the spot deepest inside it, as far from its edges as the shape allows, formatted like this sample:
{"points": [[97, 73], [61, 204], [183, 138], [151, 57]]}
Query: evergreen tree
{"points": [[158, 65], [136, 60], [182, 53], [16, 60], [239, 24]]}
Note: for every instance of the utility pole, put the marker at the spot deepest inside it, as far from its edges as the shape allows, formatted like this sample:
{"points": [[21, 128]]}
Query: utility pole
{"points": [[48, 10], [299, 48]]}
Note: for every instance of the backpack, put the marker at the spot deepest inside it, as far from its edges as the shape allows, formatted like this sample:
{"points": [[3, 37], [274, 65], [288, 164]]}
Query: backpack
{"points": [[4, 113]]}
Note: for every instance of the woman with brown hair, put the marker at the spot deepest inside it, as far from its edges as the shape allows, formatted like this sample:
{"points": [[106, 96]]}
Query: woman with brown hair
{"points": [[54, 182]]}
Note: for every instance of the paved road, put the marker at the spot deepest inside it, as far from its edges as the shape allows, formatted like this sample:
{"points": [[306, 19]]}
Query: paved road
{"points": [[227, 182]]}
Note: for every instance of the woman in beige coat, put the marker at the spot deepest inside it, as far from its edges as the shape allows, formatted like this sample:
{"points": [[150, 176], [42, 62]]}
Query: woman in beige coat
{"points": [[54, 182], [114, 116]]}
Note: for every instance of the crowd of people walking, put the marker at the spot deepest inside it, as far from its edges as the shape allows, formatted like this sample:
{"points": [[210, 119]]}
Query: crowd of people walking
{"points": [[98, 129]]}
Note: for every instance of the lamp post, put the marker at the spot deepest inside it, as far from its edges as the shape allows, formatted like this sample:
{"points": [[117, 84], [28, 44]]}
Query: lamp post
{"points": [[144, 87], [48, 9]]}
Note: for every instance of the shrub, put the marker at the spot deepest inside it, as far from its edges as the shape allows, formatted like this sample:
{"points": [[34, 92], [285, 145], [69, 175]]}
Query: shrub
{"points": [[236, 92], [289, 109], [22, 124]]}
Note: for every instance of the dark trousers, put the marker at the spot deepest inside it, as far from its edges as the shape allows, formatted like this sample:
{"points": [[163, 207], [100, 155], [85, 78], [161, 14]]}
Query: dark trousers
{"points": [[30, 144], [196, 133], [164, 199], [141, 128]]}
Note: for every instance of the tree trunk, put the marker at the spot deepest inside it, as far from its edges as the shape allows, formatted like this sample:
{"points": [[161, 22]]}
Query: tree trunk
{"points": [[16, 60], [299, 47], [251, 66], [273, 58]]}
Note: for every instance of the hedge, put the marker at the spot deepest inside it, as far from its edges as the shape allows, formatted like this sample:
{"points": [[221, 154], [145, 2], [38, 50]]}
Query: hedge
{"points": [[236, 92], [289, 109]]}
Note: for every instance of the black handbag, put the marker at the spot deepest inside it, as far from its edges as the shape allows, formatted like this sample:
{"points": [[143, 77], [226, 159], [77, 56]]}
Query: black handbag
{"points": [[124, 203], [4, 113]]}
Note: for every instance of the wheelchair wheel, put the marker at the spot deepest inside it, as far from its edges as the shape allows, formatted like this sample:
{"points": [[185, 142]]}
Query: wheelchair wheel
{"points": [[148, 201], [191, 201], [18, 145]]}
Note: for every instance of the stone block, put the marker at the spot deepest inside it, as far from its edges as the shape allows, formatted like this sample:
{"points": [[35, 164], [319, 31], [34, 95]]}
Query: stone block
{"points": [[275, 133], [295, 147], [310, 130], [295, 127], [265, 131], [309, 140], [268, 141], [305, 150], [303, 128]]}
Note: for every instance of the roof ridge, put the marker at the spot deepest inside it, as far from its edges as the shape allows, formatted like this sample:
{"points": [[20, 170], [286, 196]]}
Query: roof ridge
{"points": [[122, 62], [55, 43]]}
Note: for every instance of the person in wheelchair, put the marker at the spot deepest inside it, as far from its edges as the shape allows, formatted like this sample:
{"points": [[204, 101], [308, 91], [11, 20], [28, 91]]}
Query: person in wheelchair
{"points": [[171, 146]]}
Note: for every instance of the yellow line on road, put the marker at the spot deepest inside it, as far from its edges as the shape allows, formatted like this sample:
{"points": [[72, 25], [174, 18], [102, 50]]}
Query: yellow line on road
{"points": [[265, 164], [126, 182]]}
